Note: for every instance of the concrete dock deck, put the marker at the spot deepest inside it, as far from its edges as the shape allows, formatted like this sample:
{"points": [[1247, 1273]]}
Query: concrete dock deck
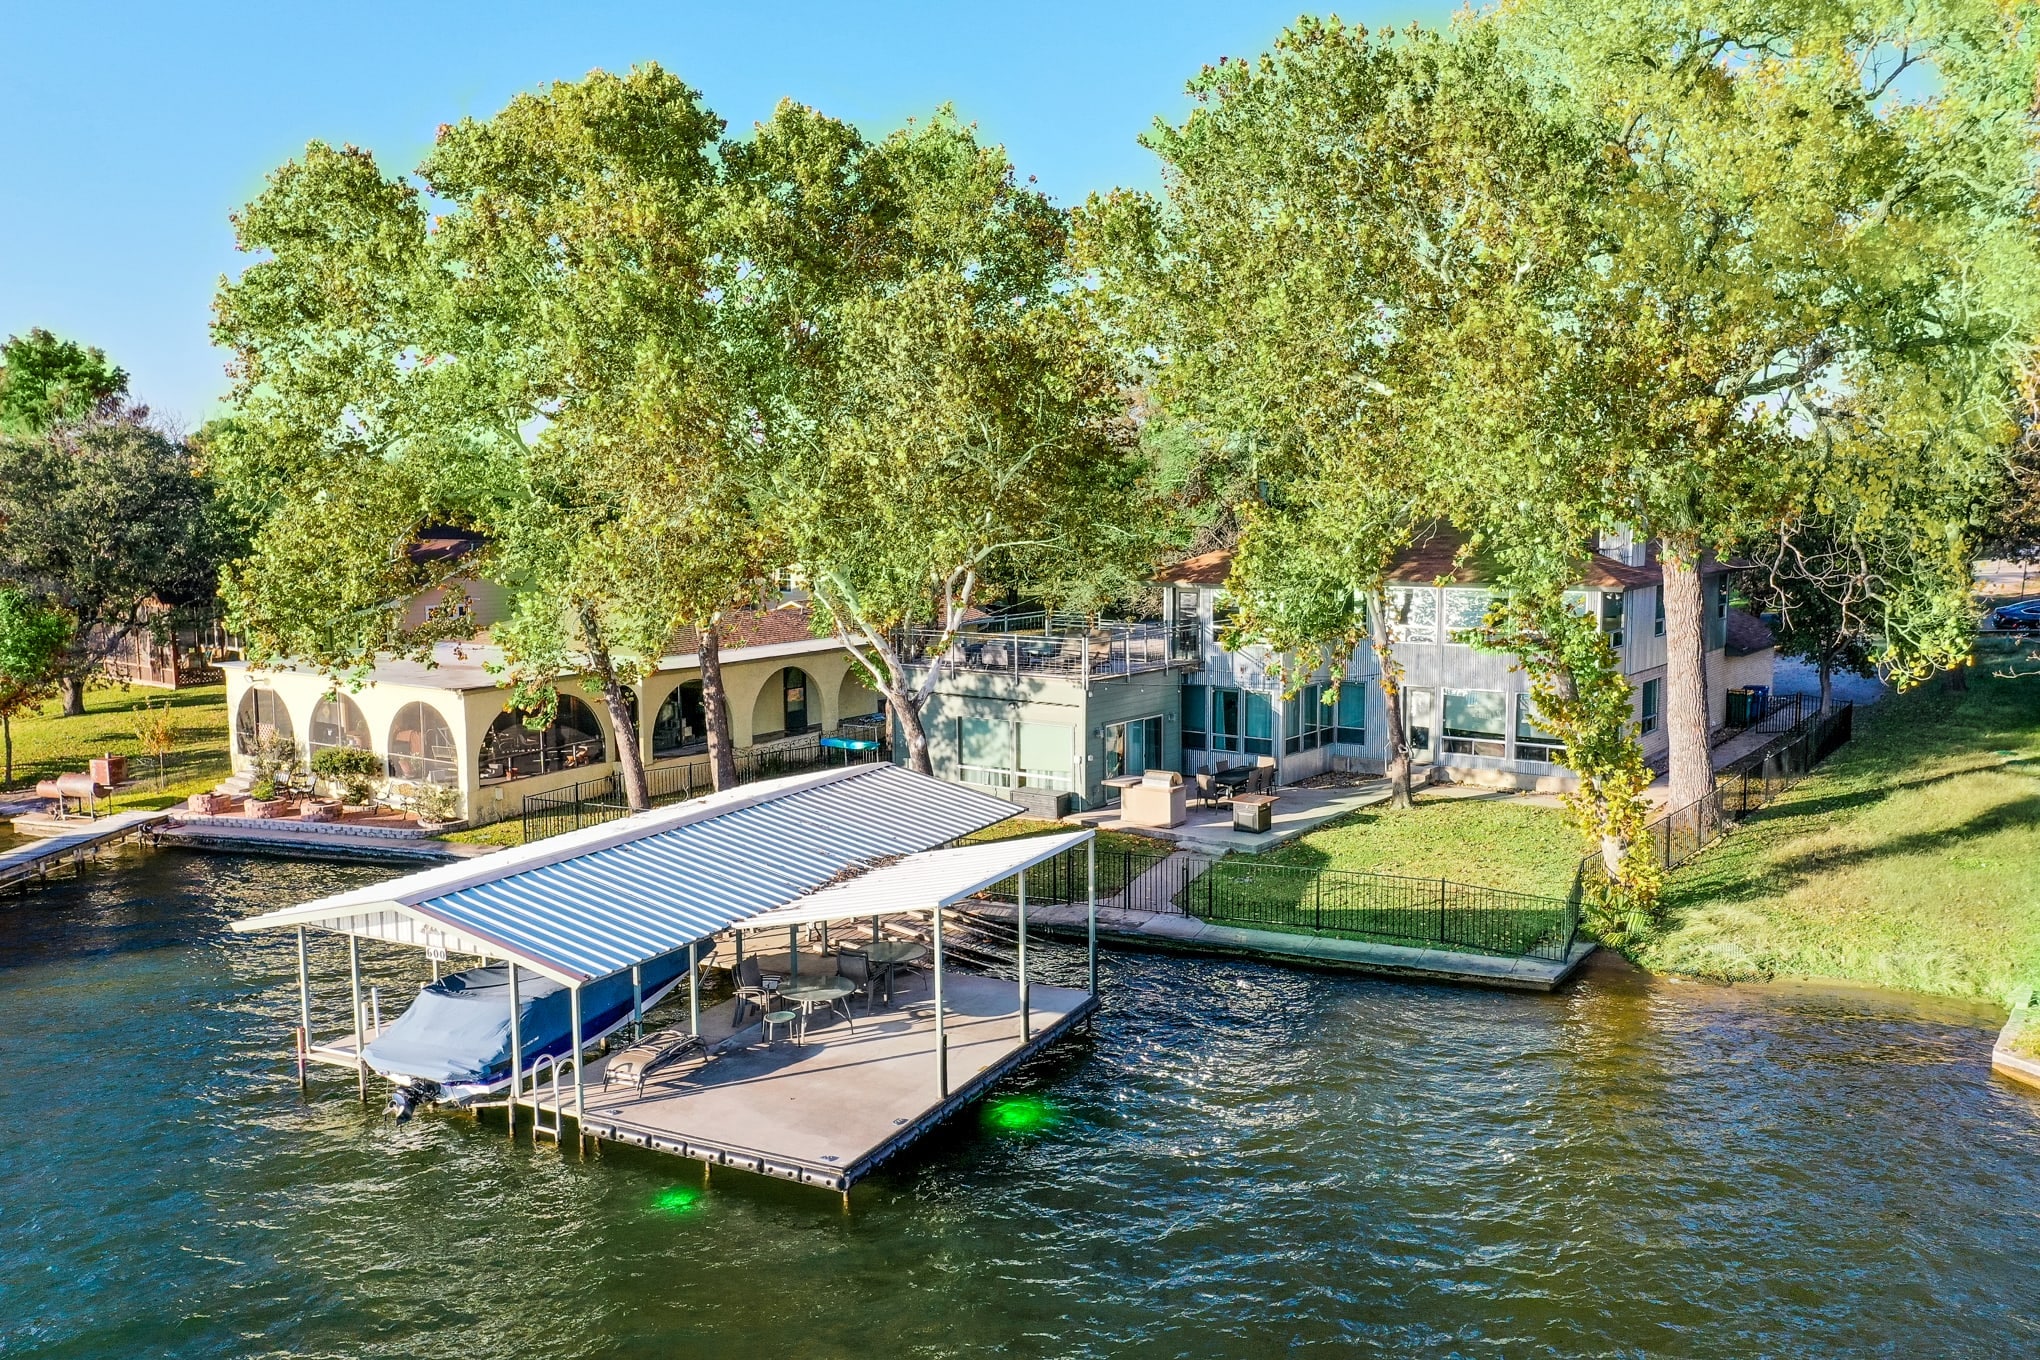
{"points": [[830, 1111]]}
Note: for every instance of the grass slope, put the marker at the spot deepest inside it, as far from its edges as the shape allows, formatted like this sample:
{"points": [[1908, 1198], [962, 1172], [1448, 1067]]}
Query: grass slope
{"points": [[46, 745], [1492, 840], [1910, 860]]}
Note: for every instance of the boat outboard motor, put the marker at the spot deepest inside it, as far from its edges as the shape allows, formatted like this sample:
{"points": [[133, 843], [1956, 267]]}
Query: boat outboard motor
{"points": [[404, 1100]]}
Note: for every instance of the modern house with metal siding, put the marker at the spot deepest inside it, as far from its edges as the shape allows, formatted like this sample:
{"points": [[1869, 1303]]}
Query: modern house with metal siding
{"points": [[1048, 714]]}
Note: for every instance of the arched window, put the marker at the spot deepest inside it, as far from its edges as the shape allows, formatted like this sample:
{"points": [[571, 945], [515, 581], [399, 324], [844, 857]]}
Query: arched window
{"points": [[421, 747], [682, 724], [513, 751], [337, 722], [261, 714]]}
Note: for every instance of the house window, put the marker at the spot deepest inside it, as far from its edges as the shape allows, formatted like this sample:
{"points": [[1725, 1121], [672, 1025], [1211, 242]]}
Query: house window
{"points": [[1420, 711], [1657, 622], [421, 747], [1225, 719], [681, 726], [337, 722], [1352, 713], [1413, 615], [1133, 748], [997, 752], [1653, 705], [1260, 725], [1223, 609], [1183, 636], [571, 741], [1533, 743], [1466, 614], [1476, 722], [1196, 701], [261, 714], [1611, 617], [1307, 722]]}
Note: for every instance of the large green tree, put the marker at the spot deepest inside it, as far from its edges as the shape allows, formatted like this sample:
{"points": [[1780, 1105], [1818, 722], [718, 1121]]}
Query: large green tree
{"points": [[104, 516], [1344, 221], [525, 361], [949, 423], [45, 380], [1812, 238], [33, 638]]}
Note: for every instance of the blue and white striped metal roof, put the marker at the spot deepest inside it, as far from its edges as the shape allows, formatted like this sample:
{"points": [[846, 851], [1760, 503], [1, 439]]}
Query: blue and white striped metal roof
{"points": [[596, 901], [929, 881]]}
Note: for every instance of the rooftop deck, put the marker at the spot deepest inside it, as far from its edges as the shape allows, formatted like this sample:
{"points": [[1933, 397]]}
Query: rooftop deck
{"points": [[830, 1111], [1049, 646]]}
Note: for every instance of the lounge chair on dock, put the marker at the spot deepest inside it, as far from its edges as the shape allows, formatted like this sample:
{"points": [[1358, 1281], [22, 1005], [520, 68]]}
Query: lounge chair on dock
{"points": [[650, 1055]]}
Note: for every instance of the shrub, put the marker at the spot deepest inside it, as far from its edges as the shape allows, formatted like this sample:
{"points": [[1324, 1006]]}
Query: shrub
{"points": [[276, 759], [337, 762], [437, 803], [262, 790]]}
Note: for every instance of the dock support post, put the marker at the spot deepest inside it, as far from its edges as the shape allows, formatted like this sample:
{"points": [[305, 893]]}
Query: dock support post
{"points": [[516, 1052], [793, 961], [580, 1112], [1091, 909], [637, 999], [304, 1000], [1026, 1010], [941, 1031], [354, 984], [694, 989]]}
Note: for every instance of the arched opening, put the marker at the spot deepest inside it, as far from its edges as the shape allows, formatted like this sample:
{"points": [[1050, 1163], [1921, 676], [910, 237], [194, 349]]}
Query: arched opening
{"points": [[786, 707], [337, 722], [681, 727], [261, 714], [857, 700], [421, 747], [572, 741]]}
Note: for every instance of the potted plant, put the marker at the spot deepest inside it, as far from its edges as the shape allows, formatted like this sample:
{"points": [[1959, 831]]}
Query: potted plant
{"points": [[264, 799], [350, 771], [437, 806]]}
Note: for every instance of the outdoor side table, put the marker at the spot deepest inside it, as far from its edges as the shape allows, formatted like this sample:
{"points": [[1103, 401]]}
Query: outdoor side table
{"points": [[784, 1019], [1252, 811]]}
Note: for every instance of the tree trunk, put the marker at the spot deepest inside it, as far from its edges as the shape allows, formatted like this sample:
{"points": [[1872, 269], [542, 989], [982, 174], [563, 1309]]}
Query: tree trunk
{"points": [[7, 739], [1827, 682], [909, 716], [72, 689], [715, 707], [1396, 757], [1685, 706], [629, 753], [1958, 679]]}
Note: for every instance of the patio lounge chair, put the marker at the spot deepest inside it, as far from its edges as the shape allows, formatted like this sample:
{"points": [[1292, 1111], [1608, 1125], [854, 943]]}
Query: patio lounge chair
{"points": [[649, 1055]]}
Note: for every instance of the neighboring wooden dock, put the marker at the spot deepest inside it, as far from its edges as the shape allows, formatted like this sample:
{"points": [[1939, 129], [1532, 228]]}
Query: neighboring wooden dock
{"points": [[55, 847]]}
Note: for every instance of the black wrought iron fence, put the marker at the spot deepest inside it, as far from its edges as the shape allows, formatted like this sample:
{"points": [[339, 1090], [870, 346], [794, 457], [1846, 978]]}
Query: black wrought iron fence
{"points": [[602, 799]]}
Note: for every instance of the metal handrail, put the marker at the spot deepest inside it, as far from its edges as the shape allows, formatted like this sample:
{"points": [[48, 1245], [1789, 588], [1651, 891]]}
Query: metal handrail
{"points": [[546, 1062]]}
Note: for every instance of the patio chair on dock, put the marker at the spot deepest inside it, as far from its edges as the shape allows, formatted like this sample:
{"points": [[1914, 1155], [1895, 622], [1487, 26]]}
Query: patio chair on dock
{"points": [[857, 968], [753, 990], [650, 1055]]}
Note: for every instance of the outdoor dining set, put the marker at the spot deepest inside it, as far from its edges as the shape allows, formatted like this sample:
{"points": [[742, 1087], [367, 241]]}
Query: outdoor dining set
{"points": [[785, 1004]]}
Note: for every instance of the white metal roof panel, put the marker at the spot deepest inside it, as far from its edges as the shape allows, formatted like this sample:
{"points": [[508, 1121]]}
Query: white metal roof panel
{"points": [[594, 902], [930, 880]]}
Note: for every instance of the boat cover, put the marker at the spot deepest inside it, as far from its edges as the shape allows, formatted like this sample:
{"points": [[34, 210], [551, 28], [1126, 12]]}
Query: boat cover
{"points": [[457, 1033]]}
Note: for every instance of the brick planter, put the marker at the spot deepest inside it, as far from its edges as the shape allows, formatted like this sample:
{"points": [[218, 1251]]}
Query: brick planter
{"points": [[210, 804], [274, 807], [319, 812]]}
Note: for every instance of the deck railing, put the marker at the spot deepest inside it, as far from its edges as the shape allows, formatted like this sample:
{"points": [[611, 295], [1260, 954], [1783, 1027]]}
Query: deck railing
{"points": [[1047, 645], [602, 799]]}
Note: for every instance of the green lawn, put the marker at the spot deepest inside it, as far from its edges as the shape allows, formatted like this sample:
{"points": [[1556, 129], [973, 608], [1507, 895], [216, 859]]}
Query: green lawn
{"points": [[1910, 860], [1491, 840], [1114, 863], [46, 745]]}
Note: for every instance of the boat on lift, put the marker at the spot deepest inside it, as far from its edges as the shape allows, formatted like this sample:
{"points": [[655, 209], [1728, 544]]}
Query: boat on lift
{"points": [[452, 1044]]}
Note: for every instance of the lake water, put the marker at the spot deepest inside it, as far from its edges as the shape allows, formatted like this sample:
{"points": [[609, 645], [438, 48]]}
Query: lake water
{"points": [[1241, 1161]]}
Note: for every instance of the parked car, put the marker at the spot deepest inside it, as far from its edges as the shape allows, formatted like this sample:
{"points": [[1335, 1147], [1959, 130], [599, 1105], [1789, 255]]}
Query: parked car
{"points": [[2016, 617]]}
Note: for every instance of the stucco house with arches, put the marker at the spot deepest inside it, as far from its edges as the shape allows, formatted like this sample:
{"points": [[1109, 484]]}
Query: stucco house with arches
{"points": [[448, 722]]}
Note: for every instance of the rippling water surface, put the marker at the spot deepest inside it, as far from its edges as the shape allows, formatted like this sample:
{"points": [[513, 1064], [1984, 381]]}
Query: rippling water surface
{"points": [[1241, 1161]]}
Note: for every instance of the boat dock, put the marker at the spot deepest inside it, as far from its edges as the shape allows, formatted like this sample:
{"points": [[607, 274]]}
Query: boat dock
{"points": [[829, 1111], [71, 840]]}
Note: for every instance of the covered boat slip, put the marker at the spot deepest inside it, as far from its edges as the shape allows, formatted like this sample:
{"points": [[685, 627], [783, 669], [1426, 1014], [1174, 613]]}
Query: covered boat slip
{"points": [[584, 910]]}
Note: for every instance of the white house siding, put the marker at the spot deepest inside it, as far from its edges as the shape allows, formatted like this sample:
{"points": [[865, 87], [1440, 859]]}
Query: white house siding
{"points": [[470, 701]]}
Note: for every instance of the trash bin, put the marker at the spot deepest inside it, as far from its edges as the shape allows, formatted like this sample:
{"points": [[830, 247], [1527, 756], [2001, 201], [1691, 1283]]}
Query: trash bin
{"points": [[1252, 811], [1760, 702], [1740, 702]]}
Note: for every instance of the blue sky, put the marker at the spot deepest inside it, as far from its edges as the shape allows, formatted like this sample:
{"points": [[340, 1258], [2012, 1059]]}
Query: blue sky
{"points": [[134, 129]]}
